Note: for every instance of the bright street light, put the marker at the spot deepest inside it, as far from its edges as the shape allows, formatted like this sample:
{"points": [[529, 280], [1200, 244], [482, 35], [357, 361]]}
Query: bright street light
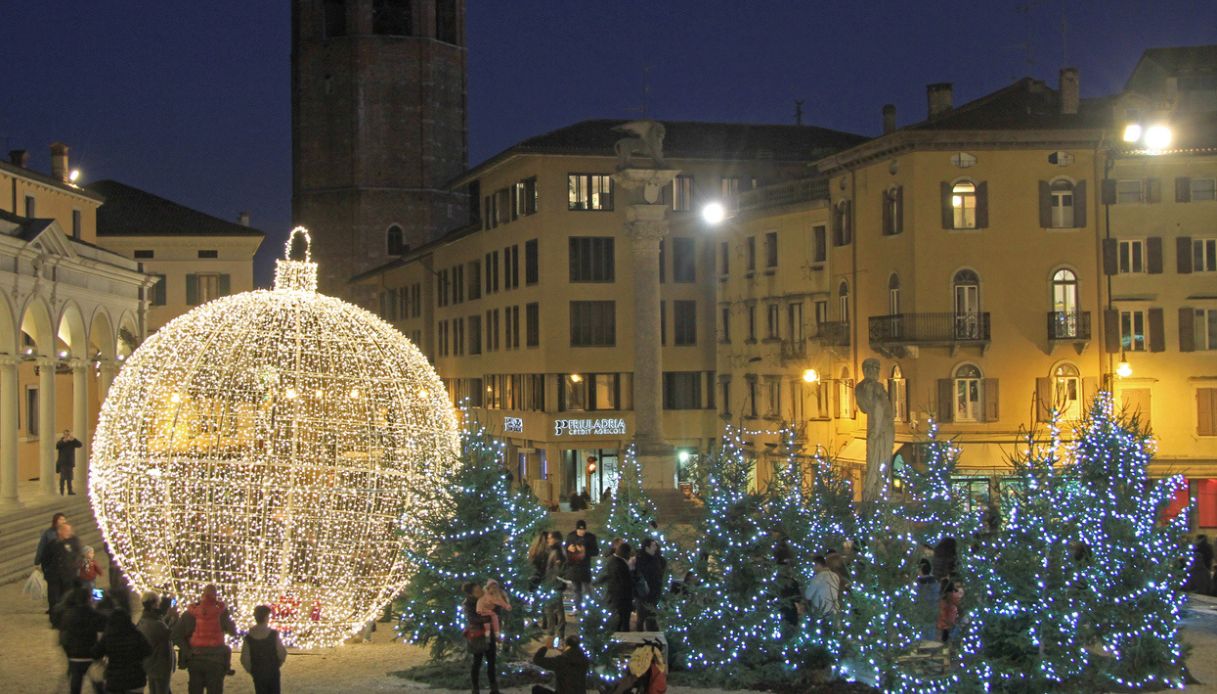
{"points": [[1124, 369], [1158, 137], [1132, 132], [810, 376], [714, 213]]}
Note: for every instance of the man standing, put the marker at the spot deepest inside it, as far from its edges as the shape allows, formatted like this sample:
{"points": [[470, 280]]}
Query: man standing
{"points": [[581, 546], [619, 587], [569, 668], [62, 562], [65, 463], [823, 593], [200, 636]]}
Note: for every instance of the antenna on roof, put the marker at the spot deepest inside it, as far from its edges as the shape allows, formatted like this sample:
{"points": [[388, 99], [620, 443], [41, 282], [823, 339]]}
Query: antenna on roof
{"points": [[646, 93], [798, 111]]}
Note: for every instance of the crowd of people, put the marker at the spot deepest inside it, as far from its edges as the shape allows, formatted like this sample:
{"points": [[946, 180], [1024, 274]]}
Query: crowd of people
{"points": [[108, 649]]}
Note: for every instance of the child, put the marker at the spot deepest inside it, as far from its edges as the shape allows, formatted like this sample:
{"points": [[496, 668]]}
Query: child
{"points": [[948, 608], [89, 571], [487, 606], [262, 653]]}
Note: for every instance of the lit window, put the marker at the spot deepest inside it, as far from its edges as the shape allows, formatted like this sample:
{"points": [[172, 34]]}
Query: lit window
{"points": [[1067, 397], [1061, 193], [1132, 331], [963, 205], [1132, 256], [967, 390], [589, 192]]}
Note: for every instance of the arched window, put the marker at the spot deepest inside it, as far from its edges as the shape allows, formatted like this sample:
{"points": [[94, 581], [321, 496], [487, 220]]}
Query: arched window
{"points": [[897, 391], [395, 241], [1060, 195], [893, 295], [963, 204], [966, 286], [1064, 304], [843, 302], [1067, 391], [967, 393]]}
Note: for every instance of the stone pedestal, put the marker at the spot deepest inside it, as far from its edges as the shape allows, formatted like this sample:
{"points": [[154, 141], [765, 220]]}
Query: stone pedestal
{"points": [[646, 226]]}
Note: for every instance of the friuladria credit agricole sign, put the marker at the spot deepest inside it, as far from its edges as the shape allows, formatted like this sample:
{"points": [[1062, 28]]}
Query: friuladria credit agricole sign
{"points": [[589, 427]]}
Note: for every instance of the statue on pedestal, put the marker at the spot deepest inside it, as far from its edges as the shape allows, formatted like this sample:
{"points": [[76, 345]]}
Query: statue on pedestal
{"points": [[873, 399], [647, 140]]}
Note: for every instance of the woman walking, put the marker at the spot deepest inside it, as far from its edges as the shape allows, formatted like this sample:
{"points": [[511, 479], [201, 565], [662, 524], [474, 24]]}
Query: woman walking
{"points": [[481, 639], [124, 649]]}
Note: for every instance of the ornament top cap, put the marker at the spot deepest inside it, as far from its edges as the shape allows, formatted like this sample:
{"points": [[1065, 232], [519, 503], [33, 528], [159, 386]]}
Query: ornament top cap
{"points": [[296, 275]]}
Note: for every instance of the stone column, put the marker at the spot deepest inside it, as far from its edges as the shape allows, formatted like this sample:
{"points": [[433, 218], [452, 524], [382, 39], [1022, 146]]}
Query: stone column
{"points": [[46, 426], [9, 404], [646, 226], [105, 378], [80, 423]]}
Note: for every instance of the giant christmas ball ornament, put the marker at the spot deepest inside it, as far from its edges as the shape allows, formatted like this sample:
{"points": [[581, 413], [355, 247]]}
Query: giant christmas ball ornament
{"points": [[273, 443]]}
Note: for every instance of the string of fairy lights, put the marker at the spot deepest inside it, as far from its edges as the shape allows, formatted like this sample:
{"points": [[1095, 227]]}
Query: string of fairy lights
{"points": [[273, 444]]}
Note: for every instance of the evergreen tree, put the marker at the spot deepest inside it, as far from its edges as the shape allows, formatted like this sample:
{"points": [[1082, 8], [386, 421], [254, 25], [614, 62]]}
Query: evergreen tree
{"points": [[485, 535], [1024, 633], [728, 617], [1129, 561]]}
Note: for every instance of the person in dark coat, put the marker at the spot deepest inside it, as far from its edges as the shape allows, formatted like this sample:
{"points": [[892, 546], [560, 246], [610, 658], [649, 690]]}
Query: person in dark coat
{"points": [[158, 666], [62, 564], [42, 558], [569, 668], [581, 546], [619, 587], [124, 649], [1200, 579], [553, 583], [943, 561], [263, 653], [65, 461], [651, 565], [78, 624], [475, 622], [199, 635]]}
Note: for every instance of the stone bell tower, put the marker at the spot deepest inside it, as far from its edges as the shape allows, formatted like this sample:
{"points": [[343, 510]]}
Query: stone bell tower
{"points": [[378, 129]]}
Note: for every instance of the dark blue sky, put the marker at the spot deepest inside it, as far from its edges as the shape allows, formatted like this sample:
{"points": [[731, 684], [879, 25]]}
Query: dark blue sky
{"points": [[190, 100]]}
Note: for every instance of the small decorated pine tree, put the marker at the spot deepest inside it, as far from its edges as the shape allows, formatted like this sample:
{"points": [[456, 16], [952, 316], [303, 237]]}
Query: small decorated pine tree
{"points": [[1129, 559], [485, 536]]}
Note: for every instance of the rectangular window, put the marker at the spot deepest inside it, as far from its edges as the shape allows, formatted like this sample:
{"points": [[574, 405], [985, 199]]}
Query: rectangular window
{"points": [[524, 198], [76, 224], [682, 194], [1132, 331], [724, 330], [31, 207], [772, 313], [492, 272], [532, 327], [773, 396], [729, 189], [511, 267], [750, 254], [845, 398], [31, 412], [750, 406], [794, 322], [724, 258], [1203, 189], [751, 322], [724, 389], [475, 334], [515, 327], [143, 254], [209, 254], [203, 287], [458, 284], [663, 323], [604, 391], [1129, 191], [475, 279], [589, 192], [684, 264], [593, 324], [771, 250], [1132, 256], [682, 390], [591, 259], [819, 249], [1204, 255], [1206, 413], [158, 290], [441, 338], [458, 337], [898, 393], [574, 393], [685, 317], [1205, 325], [821, 310], [532, 263]]}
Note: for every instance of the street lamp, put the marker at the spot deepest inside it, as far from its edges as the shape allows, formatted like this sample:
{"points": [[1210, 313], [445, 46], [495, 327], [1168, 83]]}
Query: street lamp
{"points": [[810, 376], [713, 213], [1124, 369]]}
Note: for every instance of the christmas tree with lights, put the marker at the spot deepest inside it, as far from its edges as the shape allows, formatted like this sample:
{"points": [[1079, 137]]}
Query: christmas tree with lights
{"points": [[485, 536], [1129, 560], [1025, 632], [727, 617]]}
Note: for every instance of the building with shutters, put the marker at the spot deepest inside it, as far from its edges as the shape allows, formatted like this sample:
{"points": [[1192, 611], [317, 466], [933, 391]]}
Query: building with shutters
{"points": [[194, 257]]}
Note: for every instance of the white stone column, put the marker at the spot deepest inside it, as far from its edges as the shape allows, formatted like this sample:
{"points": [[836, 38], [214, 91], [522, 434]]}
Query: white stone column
{"points": [[646, 226], [46, 426], [9, 404], [106, 370], [80, 424]]}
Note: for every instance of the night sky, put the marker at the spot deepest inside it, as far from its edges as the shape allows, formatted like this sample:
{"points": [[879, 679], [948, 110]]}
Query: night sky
{"points": [[190, 100]]}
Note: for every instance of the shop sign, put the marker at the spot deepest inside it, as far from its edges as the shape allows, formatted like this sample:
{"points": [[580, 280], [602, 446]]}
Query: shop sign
{"points": [[589, 427], [515, 424]]}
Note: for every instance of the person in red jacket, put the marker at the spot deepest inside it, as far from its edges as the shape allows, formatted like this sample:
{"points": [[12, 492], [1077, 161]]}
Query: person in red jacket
{"points": [[199, 635]]}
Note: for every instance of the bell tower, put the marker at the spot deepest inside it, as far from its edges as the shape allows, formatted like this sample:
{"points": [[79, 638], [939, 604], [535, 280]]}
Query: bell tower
{"points": [[378, 129]]}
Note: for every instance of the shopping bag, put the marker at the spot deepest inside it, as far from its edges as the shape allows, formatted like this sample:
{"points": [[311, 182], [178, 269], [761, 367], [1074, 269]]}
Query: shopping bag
{"points": [[35, 585]]}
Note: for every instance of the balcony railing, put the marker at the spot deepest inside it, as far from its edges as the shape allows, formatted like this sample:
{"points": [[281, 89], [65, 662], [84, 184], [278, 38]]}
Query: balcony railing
{"points": [[833, 333], [929, 328], [793, 349], [1069, 325]]}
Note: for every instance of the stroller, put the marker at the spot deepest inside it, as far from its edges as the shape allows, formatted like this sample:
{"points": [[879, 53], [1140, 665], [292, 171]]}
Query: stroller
{"points": [[646, 670]]}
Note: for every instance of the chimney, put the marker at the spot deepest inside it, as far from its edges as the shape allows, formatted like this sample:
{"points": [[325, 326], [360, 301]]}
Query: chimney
{"points": [[19, 157], [889, 118], [243, 218], [1069, 90], [59, 161], [939, 97]]}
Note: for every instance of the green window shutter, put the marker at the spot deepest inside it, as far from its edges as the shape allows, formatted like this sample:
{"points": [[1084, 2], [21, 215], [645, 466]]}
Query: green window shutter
{"points": [[192, 290], [1046, 205], [948, 212], [1079, 204], [982, 205], [1183, 189], [225, 284], [1183, 255]]}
